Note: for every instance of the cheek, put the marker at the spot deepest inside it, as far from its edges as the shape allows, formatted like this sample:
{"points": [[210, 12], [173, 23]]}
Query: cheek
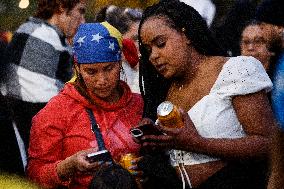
{"points": [[89, 82]]}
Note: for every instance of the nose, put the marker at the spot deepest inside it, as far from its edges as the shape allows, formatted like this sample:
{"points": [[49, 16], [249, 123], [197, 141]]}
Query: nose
{"points": [[250, 46], [154, 55], [101, 79]]}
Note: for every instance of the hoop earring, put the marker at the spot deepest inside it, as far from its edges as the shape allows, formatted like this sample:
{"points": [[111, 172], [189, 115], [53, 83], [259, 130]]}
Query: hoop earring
{"points": [[123, 74]]}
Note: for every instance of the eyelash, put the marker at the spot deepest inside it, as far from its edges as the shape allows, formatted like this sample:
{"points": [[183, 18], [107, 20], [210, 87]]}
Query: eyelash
{"points": [[109, 68], [90, 72], [160, 44]]}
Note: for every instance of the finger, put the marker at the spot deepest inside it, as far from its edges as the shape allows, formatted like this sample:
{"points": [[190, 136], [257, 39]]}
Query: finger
{"points": [[136, 140], [184, 115], [154, 145], [167, 130], [146, 121], [136, 160], [144, 179], [156, 138], [133, 167], [84, 153]]}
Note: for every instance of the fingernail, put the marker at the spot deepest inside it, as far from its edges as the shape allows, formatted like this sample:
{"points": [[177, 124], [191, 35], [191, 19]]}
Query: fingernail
{"points": [[133, 161], [132, 167]]}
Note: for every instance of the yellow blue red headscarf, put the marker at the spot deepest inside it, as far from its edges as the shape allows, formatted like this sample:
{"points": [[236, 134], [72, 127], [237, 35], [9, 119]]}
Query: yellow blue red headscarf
{"points": [[96, 43]]}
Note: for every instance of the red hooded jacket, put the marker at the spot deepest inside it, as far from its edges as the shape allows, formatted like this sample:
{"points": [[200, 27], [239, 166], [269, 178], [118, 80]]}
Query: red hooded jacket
{"points": [[63, 128]]}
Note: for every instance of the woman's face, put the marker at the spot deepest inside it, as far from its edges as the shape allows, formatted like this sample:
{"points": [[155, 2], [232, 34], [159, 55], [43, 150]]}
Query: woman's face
{"points": [[101, 79], [168, 49], [254, 43], [132, 33], [70, 20]]}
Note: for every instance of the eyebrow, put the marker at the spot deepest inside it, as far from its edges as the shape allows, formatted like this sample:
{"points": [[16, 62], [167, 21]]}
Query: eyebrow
{"points": [[156, 38]]}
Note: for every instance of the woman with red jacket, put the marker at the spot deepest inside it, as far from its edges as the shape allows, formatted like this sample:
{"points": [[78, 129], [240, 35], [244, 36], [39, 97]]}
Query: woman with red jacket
{"points": [[61, 135]]}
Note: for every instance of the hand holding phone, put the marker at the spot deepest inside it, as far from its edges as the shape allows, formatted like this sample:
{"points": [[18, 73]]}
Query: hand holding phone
{"points": [[102, 155], [147, 129]]}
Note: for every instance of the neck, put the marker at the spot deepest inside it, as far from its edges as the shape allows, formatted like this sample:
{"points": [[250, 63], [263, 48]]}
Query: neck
{"points": [[115, 96], [190, 73], [53, 20]]}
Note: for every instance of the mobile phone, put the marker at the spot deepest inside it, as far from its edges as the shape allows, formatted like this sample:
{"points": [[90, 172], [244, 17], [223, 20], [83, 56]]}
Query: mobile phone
{"points": [[102, 155], [147, 129]]}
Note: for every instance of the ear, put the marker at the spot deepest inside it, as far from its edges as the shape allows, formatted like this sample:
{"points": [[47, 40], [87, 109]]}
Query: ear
{"points": [[120, 65], [188, 42], [61, 9]]}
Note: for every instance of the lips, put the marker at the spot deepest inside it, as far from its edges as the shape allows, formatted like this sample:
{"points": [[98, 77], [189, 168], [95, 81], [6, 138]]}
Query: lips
{"points": [[104, 90], [161, 68]]}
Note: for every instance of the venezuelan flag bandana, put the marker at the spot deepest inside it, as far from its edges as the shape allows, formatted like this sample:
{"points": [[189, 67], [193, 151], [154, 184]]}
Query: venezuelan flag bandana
{"points": [[97, 43]]}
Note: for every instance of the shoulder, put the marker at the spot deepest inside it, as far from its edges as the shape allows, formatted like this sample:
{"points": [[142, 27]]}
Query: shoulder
{"points": [[60, 107], [40, 32], [243, 61]]}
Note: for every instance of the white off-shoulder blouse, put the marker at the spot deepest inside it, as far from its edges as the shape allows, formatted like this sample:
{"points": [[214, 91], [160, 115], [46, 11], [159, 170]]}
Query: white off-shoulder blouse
{"points": [[214, 115]]}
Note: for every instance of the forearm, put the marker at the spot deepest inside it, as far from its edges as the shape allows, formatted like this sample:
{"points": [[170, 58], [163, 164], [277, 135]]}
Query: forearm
{"points": [[241, 148], [276, 179], [65, 169]]}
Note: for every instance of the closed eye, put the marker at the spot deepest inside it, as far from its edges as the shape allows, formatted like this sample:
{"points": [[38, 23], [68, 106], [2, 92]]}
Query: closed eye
{"points": [[109, 67], [90, 71]]}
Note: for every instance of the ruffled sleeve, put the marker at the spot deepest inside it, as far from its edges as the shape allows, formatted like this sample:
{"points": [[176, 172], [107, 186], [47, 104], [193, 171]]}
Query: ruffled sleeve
{"points": [[240, 76]]}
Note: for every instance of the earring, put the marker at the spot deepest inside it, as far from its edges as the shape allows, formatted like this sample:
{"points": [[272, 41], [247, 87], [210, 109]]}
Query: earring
{"points": [[123, 74], [183, 29]]}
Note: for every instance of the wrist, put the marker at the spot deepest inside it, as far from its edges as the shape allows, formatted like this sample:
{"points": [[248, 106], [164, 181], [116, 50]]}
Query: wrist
{"points": [[65, 169]]}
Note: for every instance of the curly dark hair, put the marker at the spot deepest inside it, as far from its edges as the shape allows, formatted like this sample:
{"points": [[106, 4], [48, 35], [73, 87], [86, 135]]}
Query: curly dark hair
{"points": [[47, 8], [178, 16]]}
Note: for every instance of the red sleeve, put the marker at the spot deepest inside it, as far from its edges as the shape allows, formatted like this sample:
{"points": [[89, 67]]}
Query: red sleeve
{"points": [[45, 149]]}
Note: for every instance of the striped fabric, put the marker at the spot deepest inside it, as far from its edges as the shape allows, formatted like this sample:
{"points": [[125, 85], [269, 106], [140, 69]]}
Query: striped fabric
{"points": [[39, 62]]}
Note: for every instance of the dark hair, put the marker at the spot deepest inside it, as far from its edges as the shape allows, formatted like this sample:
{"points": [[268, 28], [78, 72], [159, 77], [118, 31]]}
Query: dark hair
{"points": [[113, 177], [271, 11], [120, 18], [179, 16], [251, 22], [47, 8]]}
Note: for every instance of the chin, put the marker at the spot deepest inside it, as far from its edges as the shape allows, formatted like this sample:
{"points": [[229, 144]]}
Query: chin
{"points": [[167, 75], [102, 95]]}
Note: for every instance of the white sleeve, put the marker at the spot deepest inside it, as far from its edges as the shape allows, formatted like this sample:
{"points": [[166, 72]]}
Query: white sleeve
{"points": [[241, 75]]}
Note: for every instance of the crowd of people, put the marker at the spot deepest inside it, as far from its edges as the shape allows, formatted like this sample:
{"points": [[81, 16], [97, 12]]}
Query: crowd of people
{"points": [[71, 90]]}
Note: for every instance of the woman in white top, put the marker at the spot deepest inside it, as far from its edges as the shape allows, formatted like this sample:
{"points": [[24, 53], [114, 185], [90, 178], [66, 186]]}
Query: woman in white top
{"points": [[229, 117]]}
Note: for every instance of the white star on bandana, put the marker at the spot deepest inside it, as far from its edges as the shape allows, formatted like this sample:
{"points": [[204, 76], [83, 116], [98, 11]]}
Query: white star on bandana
{"points": [[111, 46], [81, 40], [97, 37]]}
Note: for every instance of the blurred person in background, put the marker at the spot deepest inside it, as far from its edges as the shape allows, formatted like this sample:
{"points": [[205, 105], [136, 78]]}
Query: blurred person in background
{"points": [[10, 156], [270, 13], [254, 43], [206, 8], [38, 59], [228, 30], [126, 20]]}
